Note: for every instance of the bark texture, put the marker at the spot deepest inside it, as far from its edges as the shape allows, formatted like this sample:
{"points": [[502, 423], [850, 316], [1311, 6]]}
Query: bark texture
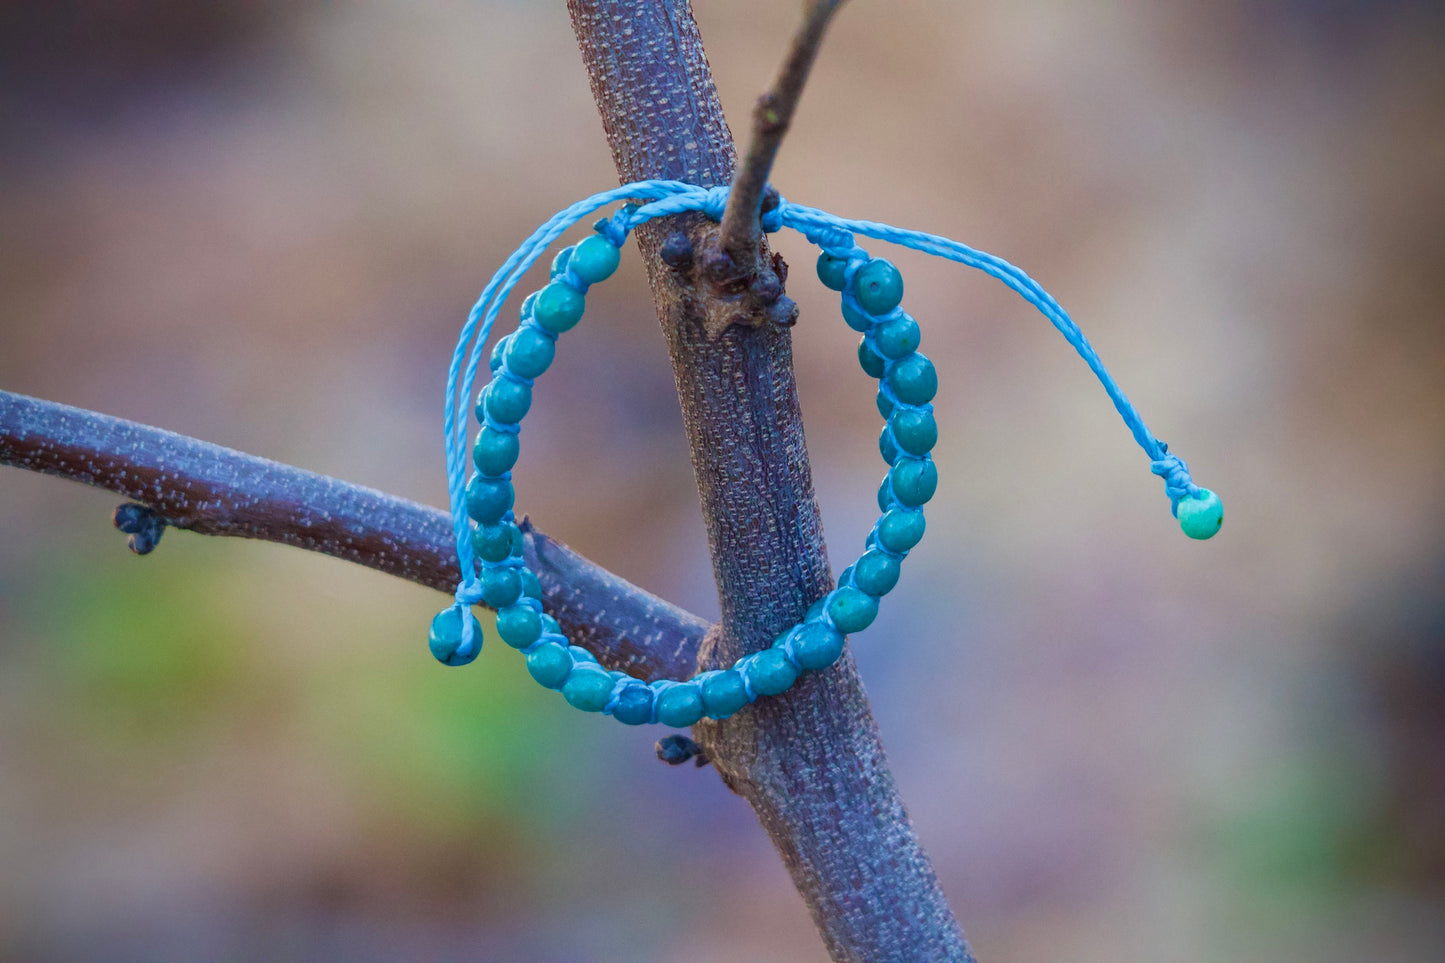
{"points": [[810, 762]]}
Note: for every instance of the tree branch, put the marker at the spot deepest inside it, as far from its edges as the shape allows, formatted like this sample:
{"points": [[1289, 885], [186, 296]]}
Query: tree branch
{"points": [[810, 762], [772, 116], [211, 490]]}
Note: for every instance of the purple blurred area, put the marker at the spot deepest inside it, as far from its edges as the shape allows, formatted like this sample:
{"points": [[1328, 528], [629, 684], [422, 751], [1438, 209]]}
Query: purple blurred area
{"points": [[262, 224]]}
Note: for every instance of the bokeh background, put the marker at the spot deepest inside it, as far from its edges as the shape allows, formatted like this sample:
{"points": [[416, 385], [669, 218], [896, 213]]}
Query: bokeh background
{"points": [[262, 224]]}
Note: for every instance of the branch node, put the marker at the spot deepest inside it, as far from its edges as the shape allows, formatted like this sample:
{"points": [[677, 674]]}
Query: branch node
{"points": [[783, 312], [677, 749], [677, 251], [142, 523]]}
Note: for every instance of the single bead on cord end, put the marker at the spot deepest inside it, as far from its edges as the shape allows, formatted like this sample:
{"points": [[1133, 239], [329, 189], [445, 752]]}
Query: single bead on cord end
{"points": [[1199, 510], [1201, 515], [445, 637]]}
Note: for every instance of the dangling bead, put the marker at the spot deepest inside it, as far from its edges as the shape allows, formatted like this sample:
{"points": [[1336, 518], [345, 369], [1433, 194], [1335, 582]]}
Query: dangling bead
{"points": [[1200, 516], [445, 636]]}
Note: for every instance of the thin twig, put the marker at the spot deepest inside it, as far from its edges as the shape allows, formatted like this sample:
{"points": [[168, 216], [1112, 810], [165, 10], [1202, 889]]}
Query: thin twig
{"points": [[772, 116], [211, 490]]}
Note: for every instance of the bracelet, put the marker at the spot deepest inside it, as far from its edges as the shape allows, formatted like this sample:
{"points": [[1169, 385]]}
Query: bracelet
{"points": [[489, 543]]}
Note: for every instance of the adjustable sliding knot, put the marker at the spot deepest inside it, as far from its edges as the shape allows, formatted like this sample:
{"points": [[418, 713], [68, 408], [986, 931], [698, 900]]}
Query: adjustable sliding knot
{"points": [[455, 637], [1177, 482], [715, 202], [834, 241], [490, 544], [616, 228]]}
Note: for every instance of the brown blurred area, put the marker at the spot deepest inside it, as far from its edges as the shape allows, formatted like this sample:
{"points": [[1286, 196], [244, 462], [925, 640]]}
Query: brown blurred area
{"points": [[262, 224]]}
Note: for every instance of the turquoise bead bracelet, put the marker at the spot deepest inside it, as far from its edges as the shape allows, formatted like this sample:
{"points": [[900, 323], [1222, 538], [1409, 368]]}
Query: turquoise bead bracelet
{"points": [[489, 542]]}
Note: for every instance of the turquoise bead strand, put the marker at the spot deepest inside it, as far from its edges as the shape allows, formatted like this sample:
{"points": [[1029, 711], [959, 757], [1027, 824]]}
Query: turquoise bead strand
{"points": [[490, 544], [518, 360]]}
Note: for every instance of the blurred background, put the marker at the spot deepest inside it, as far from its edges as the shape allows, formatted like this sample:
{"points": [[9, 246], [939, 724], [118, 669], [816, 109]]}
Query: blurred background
{"points": [[262, 225]]}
